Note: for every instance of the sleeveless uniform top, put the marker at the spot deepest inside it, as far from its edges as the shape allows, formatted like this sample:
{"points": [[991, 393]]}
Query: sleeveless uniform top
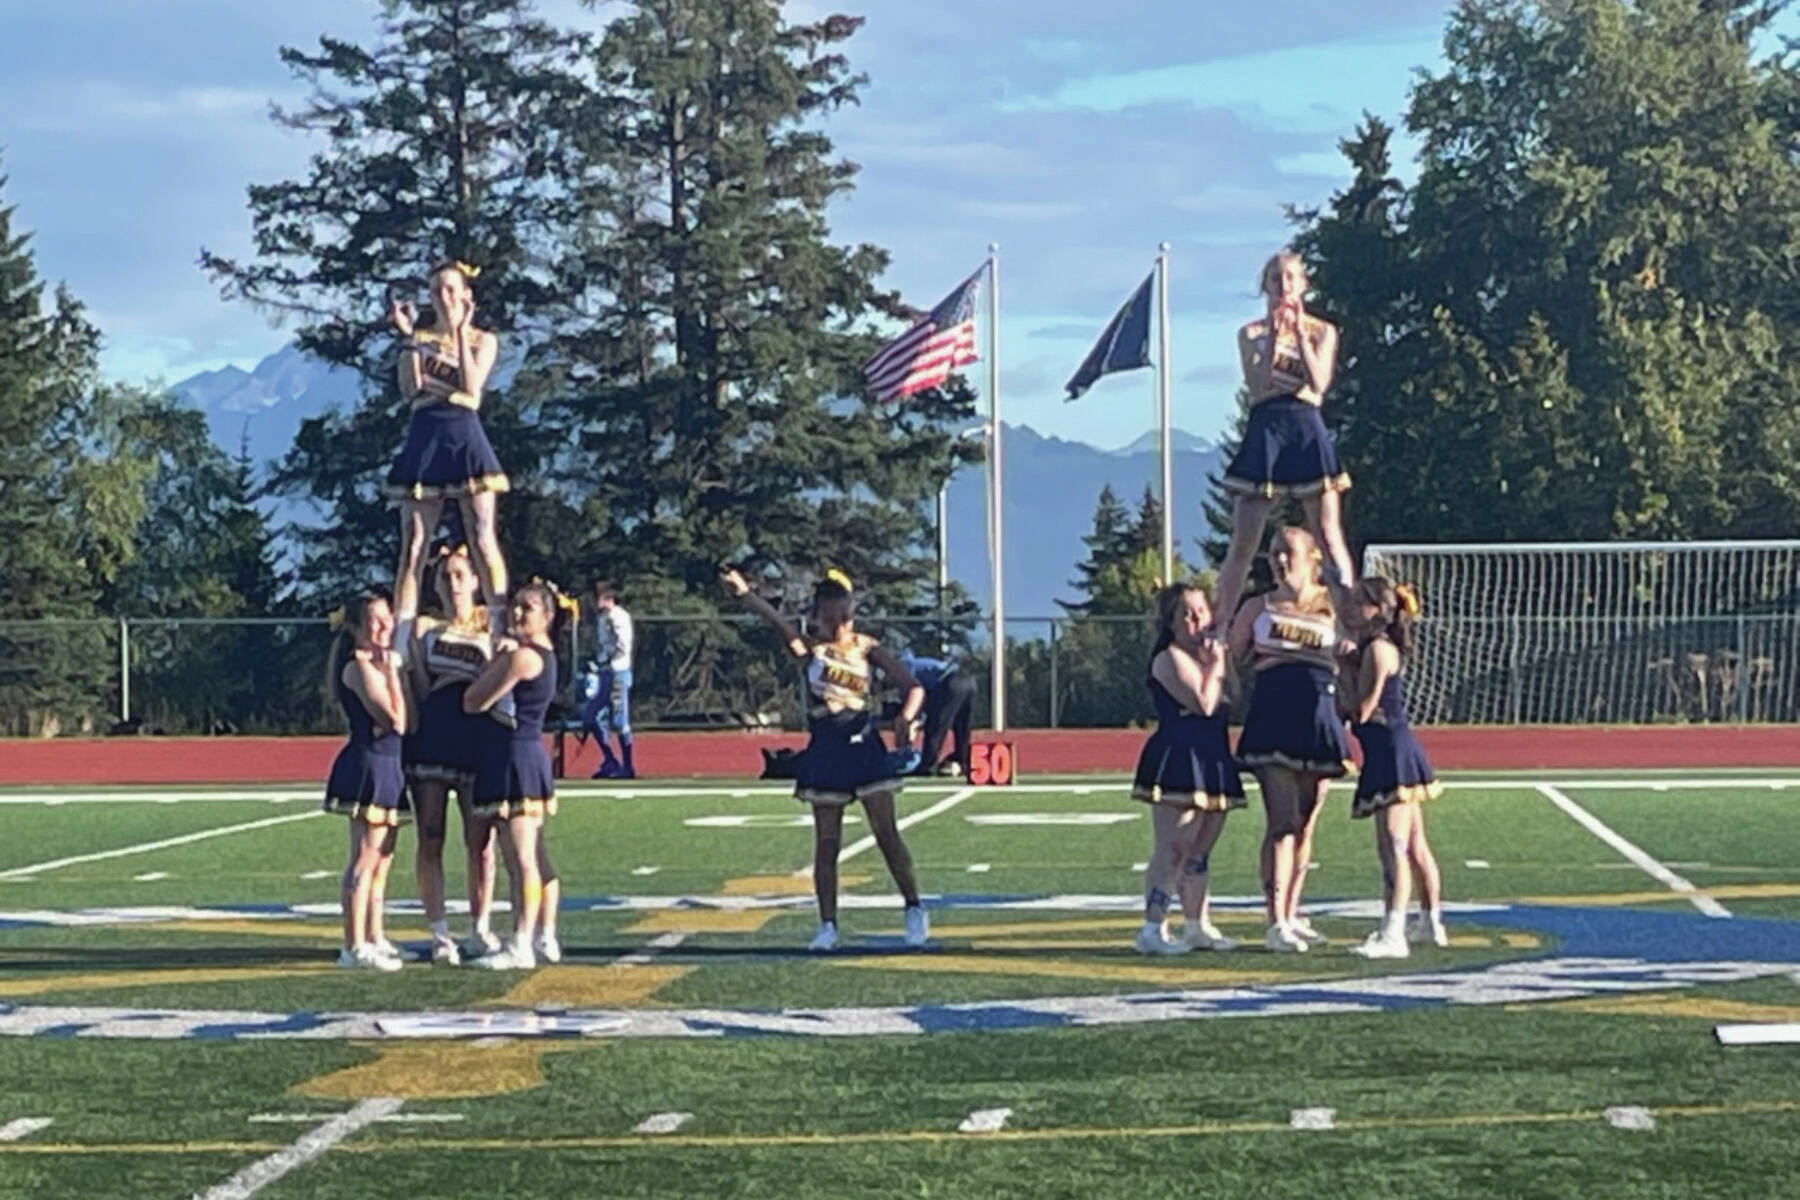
{"points": [[840, 679], [532, 698], [1390, 707], [365, 733], [1279, 636], [453, 653], [440, 372]]}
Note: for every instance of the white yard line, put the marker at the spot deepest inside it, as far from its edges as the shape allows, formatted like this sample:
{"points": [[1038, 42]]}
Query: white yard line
{"points": [[653, 947], [22, 1128], [258, 1175], [393, 1119], [1315, 1120], [162, 844], [1633, 853], [663, 1122], [1631, 1117], [985, 1120]]}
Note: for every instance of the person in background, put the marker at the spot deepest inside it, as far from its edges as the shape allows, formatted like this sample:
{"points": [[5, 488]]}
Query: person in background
{"points": [[608, 683], [949, 698]]}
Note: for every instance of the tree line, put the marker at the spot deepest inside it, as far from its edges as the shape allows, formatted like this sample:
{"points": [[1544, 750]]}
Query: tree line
{"points": [[1568, 323]]}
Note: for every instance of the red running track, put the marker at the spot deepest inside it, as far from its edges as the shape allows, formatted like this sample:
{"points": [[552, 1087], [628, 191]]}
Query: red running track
{"points": [[682, 754]]}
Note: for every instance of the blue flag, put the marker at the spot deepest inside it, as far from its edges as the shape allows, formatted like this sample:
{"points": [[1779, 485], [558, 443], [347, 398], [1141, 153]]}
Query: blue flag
{"points": [[1124, 346]]}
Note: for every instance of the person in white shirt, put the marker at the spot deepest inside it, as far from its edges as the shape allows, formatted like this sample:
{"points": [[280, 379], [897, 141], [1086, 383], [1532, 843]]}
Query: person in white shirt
{"points": [[608, 683]]}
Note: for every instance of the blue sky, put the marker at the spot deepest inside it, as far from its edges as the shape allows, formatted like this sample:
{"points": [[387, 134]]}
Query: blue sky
{"points": [[1077, 135]]}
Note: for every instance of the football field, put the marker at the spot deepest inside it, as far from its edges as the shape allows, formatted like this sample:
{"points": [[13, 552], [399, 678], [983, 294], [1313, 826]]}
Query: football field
{"points": [[172, 1024]]}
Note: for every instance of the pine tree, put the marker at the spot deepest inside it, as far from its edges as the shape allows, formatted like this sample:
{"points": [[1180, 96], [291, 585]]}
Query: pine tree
{"points": [[708, 379], [442, 142]]}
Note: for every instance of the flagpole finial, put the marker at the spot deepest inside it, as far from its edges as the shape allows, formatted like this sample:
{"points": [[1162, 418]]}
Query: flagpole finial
{"points": [[993, 247], [1164, 247]]}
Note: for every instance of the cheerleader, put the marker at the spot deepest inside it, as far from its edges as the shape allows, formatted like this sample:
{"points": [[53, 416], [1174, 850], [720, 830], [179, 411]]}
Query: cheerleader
{"points": [[845, 759], [514, 783], [1396, 777], [442, 756], [443, 368], [1288, 357], [1185, 772], [1293, 737], [366, 782]]}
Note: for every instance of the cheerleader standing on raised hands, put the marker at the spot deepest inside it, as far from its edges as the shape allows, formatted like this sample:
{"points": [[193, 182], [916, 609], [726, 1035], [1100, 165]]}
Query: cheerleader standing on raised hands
{"points": [[444, 753], [1396, 777], [1288, 358], [1185, 773], [443, 368], [1293, 737], [366, 782], [845, 759], [514, 785]]}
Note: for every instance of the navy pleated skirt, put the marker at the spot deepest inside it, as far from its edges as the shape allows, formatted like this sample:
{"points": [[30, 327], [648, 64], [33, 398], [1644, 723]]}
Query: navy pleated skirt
{"points": [[845, 760], [367, 782], [1286, 451], [448, 746], [1293, 722], [447, 453], [1394, 770]]}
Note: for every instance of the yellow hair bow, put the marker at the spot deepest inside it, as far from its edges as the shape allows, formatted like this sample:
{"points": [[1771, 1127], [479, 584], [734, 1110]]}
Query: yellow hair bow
{"points": [[1408, 597], [564, 601], [449, 550], [335, 618], [840, 577], [469, 270]]}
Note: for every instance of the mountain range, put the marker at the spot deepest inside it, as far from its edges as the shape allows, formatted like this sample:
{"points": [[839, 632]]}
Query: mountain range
{"points": [[1051, 484]]}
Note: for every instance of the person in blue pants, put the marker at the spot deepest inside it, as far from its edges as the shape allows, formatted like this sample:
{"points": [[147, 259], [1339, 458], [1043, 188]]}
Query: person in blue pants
{"points": [[607, 684]]}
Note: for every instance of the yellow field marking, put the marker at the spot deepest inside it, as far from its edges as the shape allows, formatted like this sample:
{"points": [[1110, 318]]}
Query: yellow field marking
{"points": [[609, 986], [443, 1071], [704, 920], [969, 964], [100, 980], [1724, 891], [1516, 941], [1703, 1008], [731, 1141], [783, 885]]}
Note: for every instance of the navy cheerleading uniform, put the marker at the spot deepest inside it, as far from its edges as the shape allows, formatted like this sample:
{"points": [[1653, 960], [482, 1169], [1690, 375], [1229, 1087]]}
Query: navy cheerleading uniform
{"points": [[1286, 449], [366, 781], [447, 452], [514, 778], [1293, 720], [845, 758], [1187, 762], [1394, 767], [447, 747]]}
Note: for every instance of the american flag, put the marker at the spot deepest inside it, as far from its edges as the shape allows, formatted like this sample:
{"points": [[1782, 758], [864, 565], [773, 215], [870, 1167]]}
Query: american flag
{"points": [[924, 356]]}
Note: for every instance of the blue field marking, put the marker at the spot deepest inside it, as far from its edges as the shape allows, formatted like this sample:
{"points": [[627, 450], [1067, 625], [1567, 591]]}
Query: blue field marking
{"points": [[1599, 952]]}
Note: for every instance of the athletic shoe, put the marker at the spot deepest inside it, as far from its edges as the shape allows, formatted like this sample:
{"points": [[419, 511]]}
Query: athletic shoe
{"points": [[1383, 943], [476, 945], [1426, 932], [1304, 929], [1284, 940], [385, 947], [444, 953], [610, 769], [918, 926], [1206, 936], [826, 939], [366, 958], [549, 949], [513, 958], [948, 769], [1152, 940]]}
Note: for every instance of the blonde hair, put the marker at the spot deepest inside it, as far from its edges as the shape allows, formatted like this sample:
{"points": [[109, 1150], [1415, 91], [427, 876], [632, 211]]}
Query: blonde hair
{"points": [[1316, 599], [1277, 262]]}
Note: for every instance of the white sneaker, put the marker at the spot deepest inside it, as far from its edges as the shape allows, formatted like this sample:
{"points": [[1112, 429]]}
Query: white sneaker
{"points": [[1303, 929], [549, 949], [444, 953], [1152, 940], [1197, 936], [513, 958], [1283, 939], [826, 939], [1425, 932], [366, 958], [477, 945], [388, 949], [918, 926], [1383, 943]]}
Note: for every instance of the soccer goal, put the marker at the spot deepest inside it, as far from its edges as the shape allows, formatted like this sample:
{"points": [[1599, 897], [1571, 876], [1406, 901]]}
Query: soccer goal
{"points": [[1618, 633]]}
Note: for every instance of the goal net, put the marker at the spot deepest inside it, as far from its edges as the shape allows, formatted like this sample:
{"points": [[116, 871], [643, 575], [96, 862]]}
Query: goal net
{"points": [[1620, 632]]}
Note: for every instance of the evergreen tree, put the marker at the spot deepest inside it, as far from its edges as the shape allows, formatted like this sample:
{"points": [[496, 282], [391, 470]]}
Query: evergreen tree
{"points": [[709, 375], [442, 142], [1570, 326]]}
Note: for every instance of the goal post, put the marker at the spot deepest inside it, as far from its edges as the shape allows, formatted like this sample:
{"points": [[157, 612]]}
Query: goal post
{"points": [[1557, 633]]}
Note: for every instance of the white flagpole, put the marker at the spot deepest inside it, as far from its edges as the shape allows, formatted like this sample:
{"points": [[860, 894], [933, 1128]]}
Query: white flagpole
{"points": [[996, 539], [1162, 390]]}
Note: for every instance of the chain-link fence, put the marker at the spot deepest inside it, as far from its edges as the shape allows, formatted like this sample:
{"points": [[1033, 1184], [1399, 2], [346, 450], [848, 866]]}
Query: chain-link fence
{"points": [[712, 670]]}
